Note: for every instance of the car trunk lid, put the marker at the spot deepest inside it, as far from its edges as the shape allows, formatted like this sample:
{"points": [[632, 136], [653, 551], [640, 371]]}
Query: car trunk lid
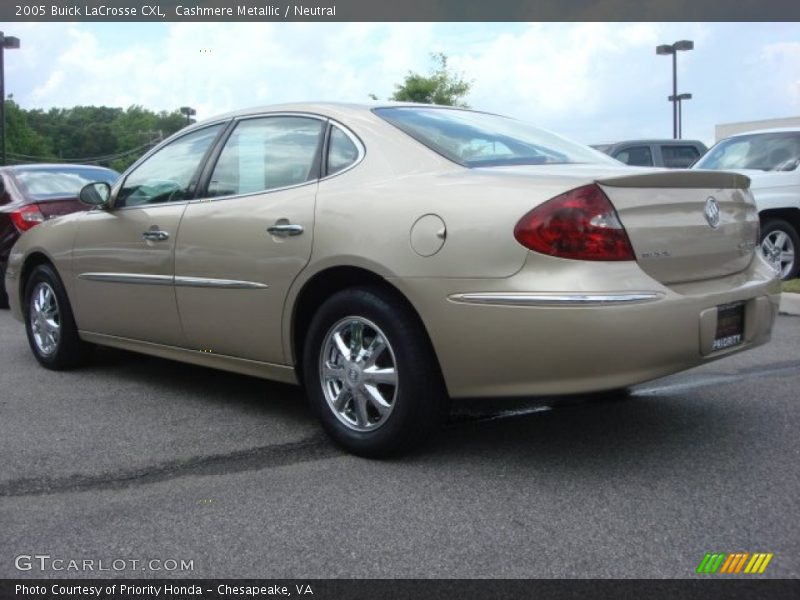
{"points": [[686, 225]]}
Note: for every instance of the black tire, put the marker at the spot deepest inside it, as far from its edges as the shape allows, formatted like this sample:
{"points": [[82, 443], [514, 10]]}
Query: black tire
{"points": [[419, 400], [609, 396], [68, 350], [3, 295], [771, 227]]}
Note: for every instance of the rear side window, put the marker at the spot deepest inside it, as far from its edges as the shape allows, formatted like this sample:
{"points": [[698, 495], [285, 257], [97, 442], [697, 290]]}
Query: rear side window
{"points": [[342, 152], [637, 156], [266, 154], [679, 157]]}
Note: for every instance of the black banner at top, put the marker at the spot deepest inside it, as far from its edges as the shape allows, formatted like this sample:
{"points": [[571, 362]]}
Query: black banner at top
{"points": [[407, 10]]}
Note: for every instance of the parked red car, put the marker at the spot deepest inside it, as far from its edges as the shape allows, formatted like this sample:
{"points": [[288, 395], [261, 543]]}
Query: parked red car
{"points": [[30, 194]]}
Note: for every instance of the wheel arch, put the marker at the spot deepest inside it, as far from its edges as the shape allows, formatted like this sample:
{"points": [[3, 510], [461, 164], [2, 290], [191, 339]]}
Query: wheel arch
{"points": [[33, 260], [788, 214], [323, 285]]}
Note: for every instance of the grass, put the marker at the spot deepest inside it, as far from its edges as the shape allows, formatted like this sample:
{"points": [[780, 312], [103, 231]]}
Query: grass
{"points": [[792, 286]]}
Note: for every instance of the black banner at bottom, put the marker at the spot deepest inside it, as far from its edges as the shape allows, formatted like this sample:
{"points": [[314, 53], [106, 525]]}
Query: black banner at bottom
{"points": [[402, 589]]}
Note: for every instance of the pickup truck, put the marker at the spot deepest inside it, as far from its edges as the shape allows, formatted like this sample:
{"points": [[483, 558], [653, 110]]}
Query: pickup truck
{"points": [[673, 154], [770, 158]]}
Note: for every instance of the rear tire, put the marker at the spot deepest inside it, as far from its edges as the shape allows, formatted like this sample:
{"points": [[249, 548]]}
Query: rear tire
{"points": [[49, 323], [371, 374], [780, 244]]}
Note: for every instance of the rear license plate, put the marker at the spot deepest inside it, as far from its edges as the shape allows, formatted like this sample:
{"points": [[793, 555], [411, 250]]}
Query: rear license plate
{"points": [[730, 326]]}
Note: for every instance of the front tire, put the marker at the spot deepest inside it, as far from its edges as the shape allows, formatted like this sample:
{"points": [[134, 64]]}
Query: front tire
{"points": [[371, 374], [780, 244], [3, 294], [49, 323]]}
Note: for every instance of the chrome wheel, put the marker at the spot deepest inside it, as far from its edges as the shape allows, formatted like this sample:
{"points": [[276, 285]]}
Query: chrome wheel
{"points": [[779, 251], [358, 373], [45, 318]]}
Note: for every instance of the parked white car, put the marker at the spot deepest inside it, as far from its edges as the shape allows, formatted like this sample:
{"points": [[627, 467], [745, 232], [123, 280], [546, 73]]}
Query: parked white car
{"points": [[770, 158]]}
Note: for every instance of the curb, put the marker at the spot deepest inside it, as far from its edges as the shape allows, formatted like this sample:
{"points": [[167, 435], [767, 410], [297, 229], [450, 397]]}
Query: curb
{"points": [[790, 304]]}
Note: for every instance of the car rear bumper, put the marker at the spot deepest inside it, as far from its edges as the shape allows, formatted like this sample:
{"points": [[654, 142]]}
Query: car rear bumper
{"points": [[597, 326]]}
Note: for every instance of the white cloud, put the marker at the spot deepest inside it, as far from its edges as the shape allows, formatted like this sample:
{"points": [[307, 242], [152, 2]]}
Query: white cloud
{"points": [[783, 60], [592, 81]]}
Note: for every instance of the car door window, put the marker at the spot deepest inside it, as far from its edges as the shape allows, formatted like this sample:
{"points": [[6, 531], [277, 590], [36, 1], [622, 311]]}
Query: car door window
{"points": [[342, 152], [268, 153], [679, 157], [639, 156], [168, 175]]}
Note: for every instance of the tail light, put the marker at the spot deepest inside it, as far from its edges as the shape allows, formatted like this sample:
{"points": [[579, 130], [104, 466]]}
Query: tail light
{"points": [[580, 224], [27, 217]]}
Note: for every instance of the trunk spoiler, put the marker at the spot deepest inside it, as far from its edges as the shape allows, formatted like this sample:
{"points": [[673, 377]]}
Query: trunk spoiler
{"points": [[680, 179]]}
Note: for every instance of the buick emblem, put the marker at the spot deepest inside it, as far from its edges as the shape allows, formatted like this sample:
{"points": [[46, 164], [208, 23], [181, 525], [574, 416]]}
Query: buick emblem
{"points": [[712, 212]]}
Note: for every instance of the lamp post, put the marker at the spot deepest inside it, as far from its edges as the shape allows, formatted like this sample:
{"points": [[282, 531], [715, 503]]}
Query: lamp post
{"points": [[673, 49], [680, 98], [189, 112], [10, 43]]}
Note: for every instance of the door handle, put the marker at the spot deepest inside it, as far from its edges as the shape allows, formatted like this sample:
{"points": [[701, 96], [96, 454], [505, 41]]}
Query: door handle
{"points": [[155, 235], [285, 229]]}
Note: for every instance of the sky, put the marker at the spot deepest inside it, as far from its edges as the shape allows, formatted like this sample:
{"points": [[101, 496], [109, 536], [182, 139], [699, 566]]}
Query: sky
{"points": [[593, 82]]}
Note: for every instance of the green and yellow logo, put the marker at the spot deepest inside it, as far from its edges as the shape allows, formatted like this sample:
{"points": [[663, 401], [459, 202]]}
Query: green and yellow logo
{"points": [[735, 563]]}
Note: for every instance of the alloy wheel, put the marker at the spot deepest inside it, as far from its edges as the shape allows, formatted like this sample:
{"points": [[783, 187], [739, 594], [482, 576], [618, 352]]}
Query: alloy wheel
{"points": [[45, 318], [779, 250], [358, 373]]}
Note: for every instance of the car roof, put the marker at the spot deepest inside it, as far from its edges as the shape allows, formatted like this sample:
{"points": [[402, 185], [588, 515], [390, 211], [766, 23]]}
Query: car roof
{"points": [[758, 131], [332, 109], [665, 141]]}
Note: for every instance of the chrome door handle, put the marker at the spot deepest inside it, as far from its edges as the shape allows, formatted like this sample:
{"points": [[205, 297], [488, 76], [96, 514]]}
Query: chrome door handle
{"points": [[155, 235], [285, 229]]}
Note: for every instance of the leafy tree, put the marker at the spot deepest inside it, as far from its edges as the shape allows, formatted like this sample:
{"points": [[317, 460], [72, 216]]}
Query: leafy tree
{"points": [[21, 138], [441, 86], [89, 134]]}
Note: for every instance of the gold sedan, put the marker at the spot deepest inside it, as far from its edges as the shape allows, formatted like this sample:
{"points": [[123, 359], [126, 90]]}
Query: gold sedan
{"points": [[390, 258]]}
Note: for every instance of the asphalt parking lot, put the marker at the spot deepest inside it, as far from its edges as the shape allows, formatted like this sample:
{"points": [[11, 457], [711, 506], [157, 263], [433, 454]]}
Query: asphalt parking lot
{"points": [[137, 458]]}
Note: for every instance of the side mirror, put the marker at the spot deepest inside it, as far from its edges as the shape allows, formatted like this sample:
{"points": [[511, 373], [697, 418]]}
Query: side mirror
{"points": [[95, 194]]}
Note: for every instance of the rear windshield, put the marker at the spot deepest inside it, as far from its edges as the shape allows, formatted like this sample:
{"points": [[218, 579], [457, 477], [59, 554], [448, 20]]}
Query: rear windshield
{"points": [[475, 139], [41, 183], [778, 151]]}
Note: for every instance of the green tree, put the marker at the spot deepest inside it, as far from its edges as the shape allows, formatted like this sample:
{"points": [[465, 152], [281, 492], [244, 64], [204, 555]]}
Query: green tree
{"points": [[21, 138], [441, 86], [102, 135]]}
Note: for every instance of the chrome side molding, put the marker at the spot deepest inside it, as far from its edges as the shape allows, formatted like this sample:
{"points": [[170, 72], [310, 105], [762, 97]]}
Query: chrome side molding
{"points": [[145, 279], [544, 299], [230, 284], [141, 278]]}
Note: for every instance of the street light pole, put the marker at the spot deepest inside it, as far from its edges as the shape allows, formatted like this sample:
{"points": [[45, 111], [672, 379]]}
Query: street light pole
{"points": [[11, 43], [189, 112], [680, 98], [673, 49], [675, 94]]}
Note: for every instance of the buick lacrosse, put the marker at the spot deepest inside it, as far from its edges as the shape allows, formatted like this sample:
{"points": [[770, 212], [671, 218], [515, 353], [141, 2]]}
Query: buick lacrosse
{"points": [[390, 258]]}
